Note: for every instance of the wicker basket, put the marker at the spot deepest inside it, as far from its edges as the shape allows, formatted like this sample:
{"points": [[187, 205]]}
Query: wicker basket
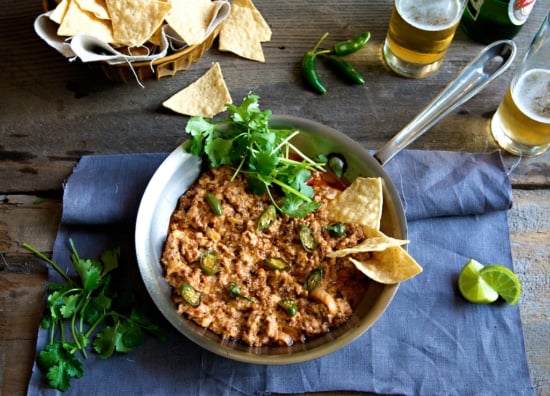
{"points": [[162, 67]]}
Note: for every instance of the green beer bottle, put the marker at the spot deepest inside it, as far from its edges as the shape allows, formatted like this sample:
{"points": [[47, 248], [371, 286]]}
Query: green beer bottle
{"points": [[491, 20]]}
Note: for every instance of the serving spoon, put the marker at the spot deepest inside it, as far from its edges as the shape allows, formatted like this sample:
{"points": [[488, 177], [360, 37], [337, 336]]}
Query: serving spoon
{"points": [[490, 63]]}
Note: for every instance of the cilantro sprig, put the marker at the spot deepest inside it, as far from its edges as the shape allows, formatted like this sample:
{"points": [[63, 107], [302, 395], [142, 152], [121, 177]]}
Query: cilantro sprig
{"points": [[246, 142], [87, 313]]}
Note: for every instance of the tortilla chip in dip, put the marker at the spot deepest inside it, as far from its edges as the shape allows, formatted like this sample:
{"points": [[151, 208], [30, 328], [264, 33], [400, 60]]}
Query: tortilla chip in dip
{"points": [[389, 266], [206, 97], [376, 242], [360, 203]]}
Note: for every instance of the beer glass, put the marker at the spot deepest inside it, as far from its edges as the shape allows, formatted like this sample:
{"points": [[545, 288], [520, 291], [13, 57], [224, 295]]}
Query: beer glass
{"points": [[521, 124], [419, 34]]}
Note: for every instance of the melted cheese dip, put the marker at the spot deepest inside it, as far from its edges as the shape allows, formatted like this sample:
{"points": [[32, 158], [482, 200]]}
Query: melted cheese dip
{"points": [[259, 320]]}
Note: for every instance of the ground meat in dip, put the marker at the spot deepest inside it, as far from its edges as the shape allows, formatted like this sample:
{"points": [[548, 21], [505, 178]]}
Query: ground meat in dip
{"points": [[258, 319]]}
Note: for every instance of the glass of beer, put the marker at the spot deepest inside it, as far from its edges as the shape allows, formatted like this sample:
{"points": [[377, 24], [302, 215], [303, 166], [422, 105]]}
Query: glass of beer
{"points": [[419, 34], [521, 124]]}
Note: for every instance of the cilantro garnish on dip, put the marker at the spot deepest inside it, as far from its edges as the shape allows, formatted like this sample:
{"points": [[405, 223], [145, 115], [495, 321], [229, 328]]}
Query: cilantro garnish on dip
{"points": [[246, 142]]}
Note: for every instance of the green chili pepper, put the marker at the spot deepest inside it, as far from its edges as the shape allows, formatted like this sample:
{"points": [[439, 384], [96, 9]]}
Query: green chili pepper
{"points": [[190, 295], [352, 45], [289, 305], [234, 291], [321, 158], [309, 67], [267, 218], [307, 238], [209, 263], [277, 263], [336, 230], [314, 278], [337, 164], [214, 203], [344, 69]]}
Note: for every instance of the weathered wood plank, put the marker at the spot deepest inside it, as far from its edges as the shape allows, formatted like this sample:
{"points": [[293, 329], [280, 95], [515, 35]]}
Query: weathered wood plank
{"points": [[529, 223], [26, 218], [22, 302]]}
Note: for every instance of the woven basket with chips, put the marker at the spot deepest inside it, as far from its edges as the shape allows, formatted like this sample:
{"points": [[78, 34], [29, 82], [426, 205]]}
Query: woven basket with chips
{"points": [[162, 67], [138, 69]]}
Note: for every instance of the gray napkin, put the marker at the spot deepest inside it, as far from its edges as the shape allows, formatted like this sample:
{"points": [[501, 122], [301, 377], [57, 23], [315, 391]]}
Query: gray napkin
{"points": [[430, 341]]}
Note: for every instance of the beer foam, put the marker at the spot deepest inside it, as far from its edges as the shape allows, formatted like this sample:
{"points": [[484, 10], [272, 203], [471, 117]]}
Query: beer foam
{"points": [[532, 94], [428, 15]]}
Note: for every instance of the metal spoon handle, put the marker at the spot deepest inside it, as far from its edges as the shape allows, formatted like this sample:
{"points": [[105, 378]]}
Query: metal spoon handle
{"points": [[471, 80]]}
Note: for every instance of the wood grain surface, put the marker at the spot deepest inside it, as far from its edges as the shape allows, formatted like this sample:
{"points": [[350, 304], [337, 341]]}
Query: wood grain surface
{"points": [[52, 112]]}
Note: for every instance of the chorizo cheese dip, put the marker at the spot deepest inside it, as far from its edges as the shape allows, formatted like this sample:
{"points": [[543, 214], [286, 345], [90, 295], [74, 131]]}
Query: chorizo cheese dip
{"points": [[268, 247], [260, 285]]}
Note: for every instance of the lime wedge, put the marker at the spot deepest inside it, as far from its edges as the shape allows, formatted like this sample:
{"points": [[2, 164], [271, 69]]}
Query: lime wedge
{"points": [[473, 287], [503, 281]]}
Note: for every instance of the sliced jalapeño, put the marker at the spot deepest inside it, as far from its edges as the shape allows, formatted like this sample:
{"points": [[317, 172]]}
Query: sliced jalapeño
{"points": [[289, 305], [191, 296], [307, 238], [337, 164], [336, 230], [214, 204], [234, 291], [267, 218], [210, 263], [277, 263], [314, 279]]}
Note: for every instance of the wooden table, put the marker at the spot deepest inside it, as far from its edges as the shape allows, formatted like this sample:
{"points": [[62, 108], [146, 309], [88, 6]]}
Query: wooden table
{"points": [[52, 112]]}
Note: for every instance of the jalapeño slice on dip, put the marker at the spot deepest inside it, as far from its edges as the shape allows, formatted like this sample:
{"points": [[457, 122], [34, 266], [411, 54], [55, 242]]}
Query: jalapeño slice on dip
{"points": [[267, 218], [314, 279], [190, 295], [209, 262]]}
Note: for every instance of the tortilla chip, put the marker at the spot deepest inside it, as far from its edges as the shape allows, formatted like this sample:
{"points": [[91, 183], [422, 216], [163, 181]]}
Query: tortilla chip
{"points": [[244, 30], [191, 18], [389, 266], [77, 21], [206, 97], [360, 203], [96, 7], [376, 242], [156, 37], [134, 21], [59, 12]]}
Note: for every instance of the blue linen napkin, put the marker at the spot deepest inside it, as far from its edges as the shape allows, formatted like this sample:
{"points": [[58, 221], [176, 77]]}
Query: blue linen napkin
{"points": [[430, 341]]}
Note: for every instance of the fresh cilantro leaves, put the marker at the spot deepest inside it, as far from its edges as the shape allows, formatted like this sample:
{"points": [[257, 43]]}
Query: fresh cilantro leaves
{"points": [[88, 313], [245, 141]]}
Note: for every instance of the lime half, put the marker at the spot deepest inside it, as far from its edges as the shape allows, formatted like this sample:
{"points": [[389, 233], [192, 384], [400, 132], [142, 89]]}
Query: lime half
{"points": [[503, 281], [473, 287]]}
